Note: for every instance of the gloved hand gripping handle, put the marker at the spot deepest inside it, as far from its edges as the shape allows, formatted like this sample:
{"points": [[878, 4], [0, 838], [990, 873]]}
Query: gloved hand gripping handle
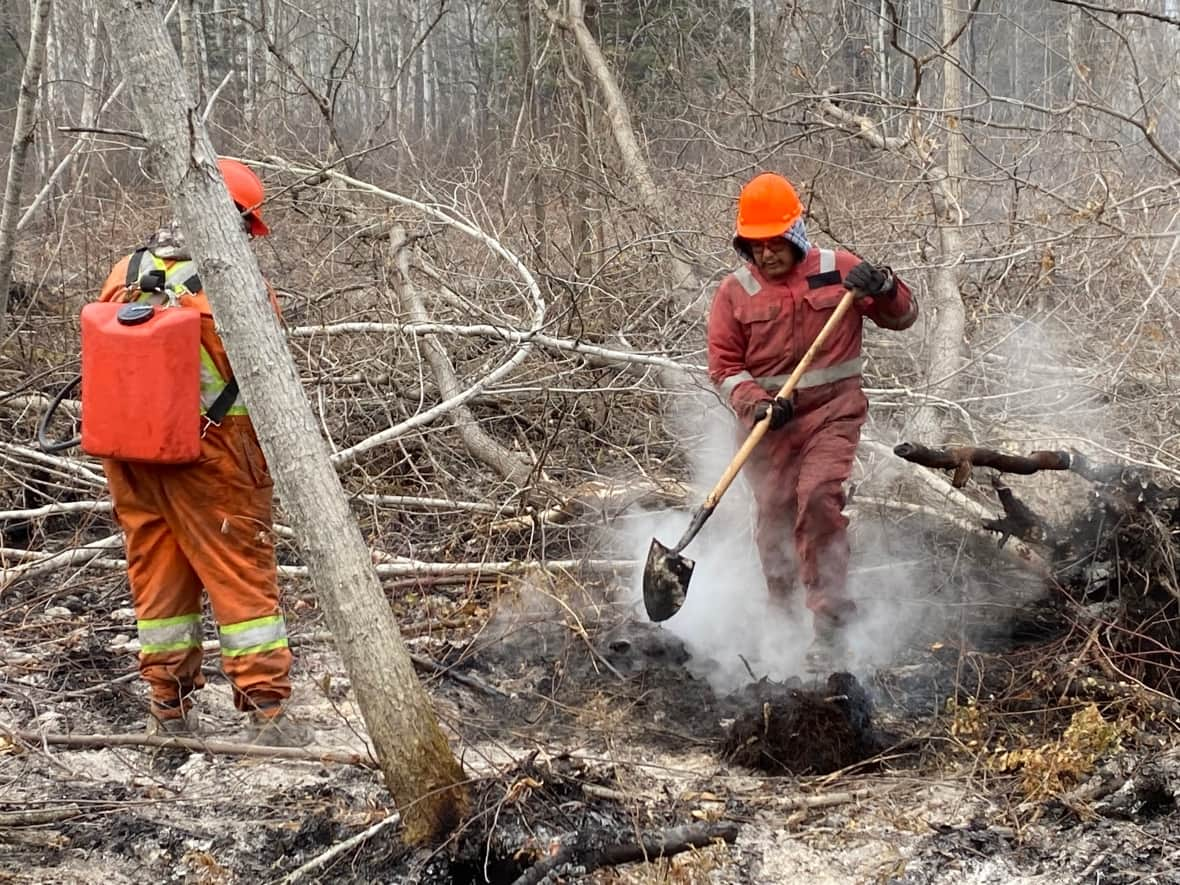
{"points": [[759, 430]]}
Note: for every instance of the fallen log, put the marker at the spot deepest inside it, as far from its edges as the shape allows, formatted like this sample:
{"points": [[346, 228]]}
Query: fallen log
{"points": [[196, 745], [961, 460], [663, 844], [38, 816]]}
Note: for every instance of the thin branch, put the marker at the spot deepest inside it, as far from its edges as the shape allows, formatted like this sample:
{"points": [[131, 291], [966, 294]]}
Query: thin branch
{"points": [[1120, 11], [197, 745], [341, 848], [350, 454]]}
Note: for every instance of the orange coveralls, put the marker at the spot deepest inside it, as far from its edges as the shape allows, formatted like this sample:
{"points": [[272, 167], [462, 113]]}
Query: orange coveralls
{"points": [[758, 332], [203, 525]]}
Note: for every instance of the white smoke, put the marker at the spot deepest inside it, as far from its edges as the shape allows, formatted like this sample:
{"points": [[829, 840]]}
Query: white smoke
{"points": [[728, 623]]}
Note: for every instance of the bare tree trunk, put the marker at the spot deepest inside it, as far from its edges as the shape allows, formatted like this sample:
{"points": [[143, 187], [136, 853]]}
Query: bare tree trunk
{"points": [[23, 133], [532, 123], [752, 58], [190, 49], [683, 277], [480, 444], [949, 316], [420, 770], [420, 76], [247, 65]]}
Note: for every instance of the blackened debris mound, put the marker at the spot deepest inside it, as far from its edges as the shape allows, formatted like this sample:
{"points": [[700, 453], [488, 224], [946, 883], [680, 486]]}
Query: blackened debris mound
{"points": [[786, 729], [524, 815]]}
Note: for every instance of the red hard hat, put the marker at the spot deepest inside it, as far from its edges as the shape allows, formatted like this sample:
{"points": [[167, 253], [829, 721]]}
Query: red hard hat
{"points": [[768, 207], [245, 189]]}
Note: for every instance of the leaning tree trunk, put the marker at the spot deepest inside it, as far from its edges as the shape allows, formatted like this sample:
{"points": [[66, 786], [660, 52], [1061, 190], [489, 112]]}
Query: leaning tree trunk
{"points": [[420, 770], [683, 278], [22, 139]]}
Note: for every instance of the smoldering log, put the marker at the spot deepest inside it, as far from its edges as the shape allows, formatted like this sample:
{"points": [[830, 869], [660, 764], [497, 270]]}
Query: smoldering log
{"points": [[1019, 520], [961, 460]]}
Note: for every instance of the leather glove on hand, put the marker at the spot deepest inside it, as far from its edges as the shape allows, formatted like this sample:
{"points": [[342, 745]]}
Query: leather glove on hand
{"points": [[781, 410], [877, 282]]}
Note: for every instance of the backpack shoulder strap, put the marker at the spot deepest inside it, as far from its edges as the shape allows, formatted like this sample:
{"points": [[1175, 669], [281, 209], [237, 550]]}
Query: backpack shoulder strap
{"points": [[133, 266], [224, 402]]}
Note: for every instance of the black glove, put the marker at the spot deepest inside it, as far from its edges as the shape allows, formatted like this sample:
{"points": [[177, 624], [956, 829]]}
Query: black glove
{"points": [[872, 280], [781, 411]]}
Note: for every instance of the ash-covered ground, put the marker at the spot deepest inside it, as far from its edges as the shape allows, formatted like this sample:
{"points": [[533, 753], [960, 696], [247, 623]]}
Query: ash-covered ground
{"points": [[583, 727]]}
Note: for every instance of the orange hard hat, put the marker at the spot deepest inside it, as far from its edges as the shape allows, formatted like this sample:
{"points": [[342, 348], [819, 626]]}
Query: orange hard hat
{"points": [[245, 189], [768, 207]]}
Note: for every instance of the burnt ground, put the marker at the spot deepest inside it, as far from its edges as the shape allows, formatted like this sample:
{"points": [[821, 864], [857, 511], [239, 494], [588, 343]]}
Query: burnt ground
{"points": [[589, 731]]}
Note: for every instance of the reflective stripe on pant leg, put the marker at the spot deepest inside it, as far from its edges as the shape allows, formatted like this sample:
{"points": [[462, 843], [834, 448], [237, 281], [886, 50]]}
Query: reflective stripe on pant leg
{"points": [[225, 506], [169, 634], [254, 636], [165, 590]]}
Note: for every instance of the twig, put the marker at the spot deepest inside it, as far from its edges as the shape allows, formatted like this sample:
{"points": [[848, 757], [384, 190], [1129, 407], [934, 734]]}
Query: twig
{"points": [[340, 848], [593, 354], [825, 800], [514, 468], [43, 563], [662, 844], [433, 666], [600, 792], [58, 560], [197, 745], [524, 347], [33, 816], [57, 508]]}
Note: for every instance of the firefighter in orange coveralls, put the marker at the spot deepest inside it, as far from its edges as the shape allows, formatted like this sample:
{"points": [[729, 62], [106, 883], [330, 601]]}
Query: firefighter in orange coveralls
{"points": [[206, 524], [764, 317]]}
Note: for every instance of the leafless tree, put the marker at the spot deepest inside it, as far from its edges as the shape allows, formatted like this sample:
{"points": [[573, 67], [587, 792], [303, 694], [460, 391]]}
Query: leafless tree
{"points": [[420, 770]]}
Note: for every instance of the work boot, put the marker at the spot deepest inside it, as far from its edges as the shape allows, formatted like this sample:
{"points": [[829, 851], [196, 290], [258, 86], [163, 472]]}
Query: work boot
{"points": [[269, 729], [184, 725], [828, 652]]}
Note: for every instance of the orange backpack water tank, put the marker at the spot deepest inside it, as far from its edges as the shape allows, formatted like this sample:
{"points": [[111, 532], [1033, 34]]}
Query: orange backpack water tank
{"points": [[141, 382]]}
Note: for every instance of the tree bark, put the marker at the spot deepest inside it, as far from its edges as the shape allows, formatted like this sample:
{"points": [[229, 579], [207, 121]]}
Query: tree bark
{"points": [[190, 50], [949, 315], [420, 770], [22, 139]]}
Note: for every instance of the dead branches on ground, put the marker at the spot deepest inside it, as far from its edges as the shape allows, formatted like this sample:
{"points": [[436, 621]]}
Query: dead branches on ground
{"points": [[650, 848], [195, 745]]}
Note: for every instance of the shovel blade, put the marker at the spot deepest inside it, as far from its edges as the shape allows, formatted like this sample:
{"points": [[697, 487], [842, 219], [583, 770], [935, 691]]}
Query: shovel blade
{"points": [[665, 581]]}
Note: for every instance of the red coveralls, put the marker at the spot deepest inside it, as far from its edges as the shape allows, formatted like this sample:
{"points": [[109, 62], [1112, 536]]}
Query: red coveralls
{"points": [[203, 525], [758, 332]]}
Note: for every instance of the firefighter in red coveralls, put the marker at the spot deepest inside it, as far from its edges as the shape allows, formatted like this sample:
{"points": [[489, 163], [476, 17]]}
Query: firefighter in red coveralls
{"points": [[764, 317]]}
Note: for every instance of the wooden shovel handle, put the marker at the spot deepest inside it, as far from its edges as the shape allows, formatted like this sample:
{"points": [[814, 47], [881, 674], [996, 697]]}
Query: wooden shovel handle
{"points": [[759, 430]]}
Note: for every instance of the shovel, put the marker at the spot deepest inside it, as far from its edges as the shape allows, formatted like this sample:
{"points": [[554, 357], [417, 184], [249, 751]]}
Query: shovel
{"points": [[667, 573]]}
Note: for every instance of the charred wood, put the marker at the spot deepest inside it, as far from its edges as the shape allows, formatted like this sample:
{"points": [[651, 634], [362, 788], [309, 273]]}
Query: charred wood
{"points": [[962, 459], [1018, 520], [653, 847]]}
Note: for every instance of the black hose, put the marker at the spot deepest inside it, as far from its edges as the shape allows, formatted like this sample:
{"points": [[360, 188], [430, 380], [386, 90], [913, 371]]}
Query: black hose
{"points": [[46, 444]]}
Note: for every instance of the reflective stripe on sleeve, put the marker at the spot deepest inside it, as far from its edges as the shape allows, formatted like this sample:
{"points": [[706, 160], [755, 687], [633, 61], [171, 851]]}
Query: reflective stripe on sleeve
{"points": [[169, 634], [730, 384], [253, 637]]}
